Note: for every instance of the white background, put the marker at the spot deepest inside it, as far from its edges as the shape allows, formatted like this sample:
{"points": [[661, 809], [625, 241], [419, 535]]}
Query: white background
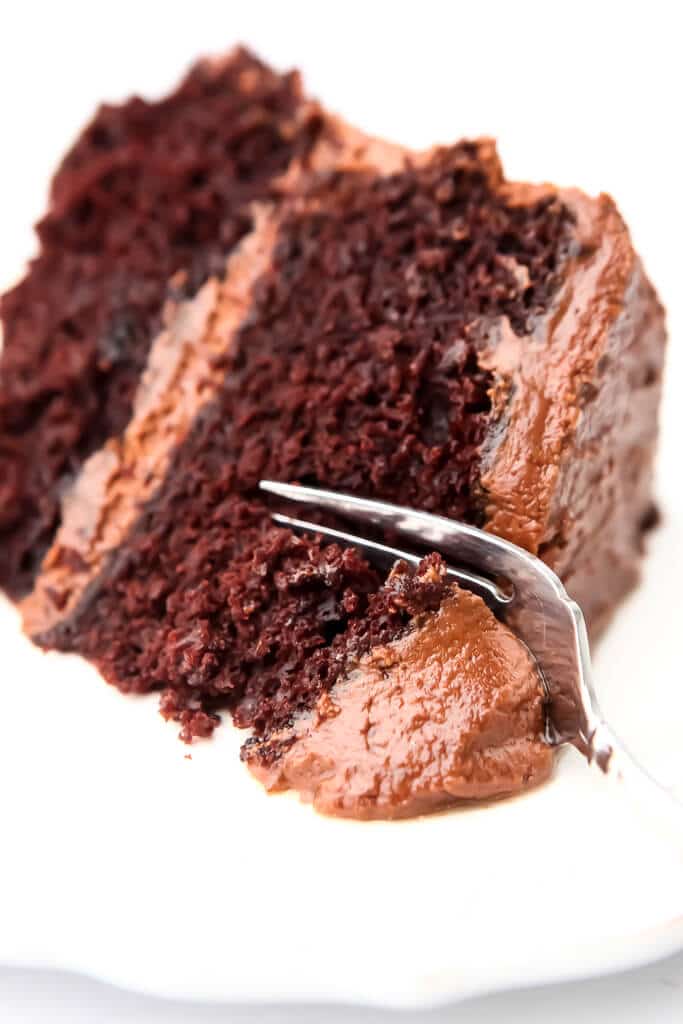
{"points": [[578, 93]]}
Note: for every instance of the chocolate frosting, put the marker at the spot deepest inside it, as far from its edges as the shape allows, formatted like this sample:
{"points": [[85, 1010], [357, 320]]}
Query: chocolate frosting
{"points": [[568, 472], [451, 711], [117, 480]]}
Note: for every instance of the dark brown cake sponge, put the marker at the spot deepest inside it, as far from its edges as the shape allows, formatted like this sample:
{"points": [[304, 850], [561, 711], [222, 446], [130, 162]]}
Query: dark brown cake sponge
{"points": [[146, 206]]}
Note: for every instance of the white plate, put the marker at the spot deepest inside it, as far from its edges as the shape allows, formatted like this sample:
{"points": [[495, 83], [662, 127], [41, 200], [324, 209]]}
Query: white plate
{"points": [[121, 858]]}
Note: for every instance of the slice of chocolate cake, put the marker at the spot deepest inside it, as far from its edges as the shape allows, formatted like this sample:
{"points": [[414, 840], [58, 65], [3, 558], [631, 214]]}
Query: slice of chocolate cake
{"points": [[418, 330], [151, 193]]}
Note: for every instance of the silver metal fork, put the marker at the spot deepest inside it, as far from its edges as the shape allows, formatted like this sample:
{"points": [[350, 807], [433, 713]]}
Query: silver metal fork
{"points": [[524, 593]]}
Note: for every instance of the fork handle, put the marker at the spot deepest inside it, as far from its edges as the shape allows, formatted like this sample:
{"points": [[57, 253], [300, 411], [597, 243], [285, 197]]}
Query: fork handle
{"points": [[656, 803]]}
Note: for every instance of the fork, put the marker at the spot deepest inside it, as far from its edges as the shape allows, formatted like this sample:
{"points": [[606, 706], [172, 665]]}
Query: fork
{"points": [[524, 593]]}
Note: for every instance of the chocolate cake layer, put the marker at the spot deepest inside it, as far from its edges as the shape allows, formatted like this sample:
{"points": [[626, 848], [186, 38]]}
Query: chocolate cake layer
{"points": [[151, 193]]}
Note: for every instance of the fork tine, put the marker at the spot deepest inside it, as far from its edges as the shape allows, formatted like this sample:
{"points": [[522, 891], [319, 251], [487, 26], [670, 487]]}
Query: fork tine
{"points": [[387, 556], [474, 547]]}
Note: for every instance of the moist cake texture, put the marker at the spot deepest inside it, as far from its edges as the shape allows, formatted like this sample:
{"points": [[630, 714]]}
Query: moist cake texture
{"points": [[410, 327], [146, 206]]}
